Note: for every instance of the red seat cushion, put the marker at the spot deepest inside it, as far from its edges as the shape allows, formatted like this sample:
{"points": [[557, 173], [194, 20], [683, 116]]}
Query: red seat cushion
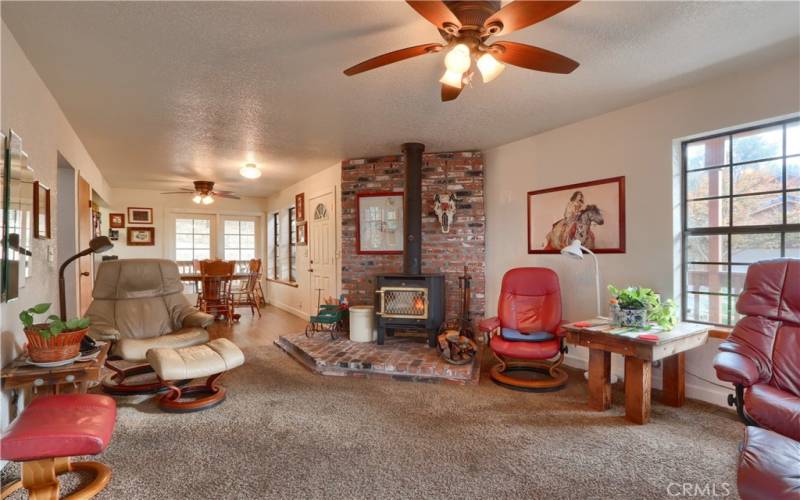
{"points": [[60, 426], [768, 466], [774, 409], [526, 350]]}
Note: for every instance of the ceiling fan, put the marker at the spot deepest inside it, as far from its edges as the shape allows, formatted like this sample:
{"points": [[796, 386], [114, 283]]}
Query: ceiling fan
{"points": [[466, 27], [204, 193]]}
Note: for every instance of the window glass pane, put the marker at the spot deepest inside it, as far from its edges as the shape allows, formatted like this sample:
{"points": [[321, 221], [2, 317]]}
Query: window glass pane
{"points": [[247, 241], [757, 144], [707, 308], [247, 227], [231, 226], [738, 273], [231, 241], [231, 254], [202, 226], [708, 213], [247, 254], [708, 153], [755, 247], [183, 225], [758, 209], [181, 254], [201, 254], [202, 241], [711, 248], [707, 278], [705, 183], [758, 177], [183, 241], [793, 245], [793, 138], [793, 208], [793, 172]]}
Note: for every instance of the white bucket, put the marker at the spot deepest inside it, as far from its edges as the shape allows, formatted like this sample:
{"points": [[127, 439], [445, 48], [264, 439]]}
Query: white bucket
{"points": [[362, 323]]}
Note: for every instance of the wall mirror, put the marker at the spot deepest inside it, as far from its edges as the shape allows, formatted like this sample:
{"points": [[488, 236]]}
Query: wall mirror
{"points": [[17, 217], [41, 211]]}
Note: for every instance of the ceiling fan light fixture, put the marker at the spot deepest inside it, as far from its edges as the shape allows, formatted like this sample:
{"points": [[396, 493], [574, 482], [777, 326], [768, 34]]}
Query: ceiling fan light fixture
{"points": [[458, 60], [250, 171], [208, 199], [489, 67], [197, 199], [452, 79]]}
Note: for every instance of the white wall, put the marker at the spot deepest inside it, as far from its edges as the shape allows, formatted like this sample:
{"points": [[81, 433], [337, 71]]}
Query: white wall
{"points": [[30, 110], [296, 299], [163, 206], [637, 142]]}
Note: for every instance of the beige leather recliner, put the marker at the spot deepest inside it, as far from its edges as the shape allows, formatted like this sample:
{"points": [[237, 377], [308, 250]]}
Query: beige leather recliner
{"points": [[139, 305]]}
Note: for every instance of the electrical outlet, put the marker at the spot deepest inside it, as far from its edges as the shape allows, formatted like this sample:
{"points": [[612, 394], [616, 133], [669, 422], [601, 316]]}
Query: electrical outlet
{"points": [[51, 258]]}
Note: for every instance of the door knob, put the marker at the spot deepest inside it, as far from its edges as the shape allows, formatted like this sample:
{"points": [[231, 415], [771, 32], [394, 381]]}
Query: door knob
{"points": [[311, 270], [85, 273]]}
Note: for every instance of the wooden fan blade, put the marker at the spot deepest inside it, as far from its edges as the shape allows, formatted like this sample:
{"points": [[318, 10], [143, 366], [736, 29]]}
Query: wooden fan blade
{"points": [[223, 191], [530, 57], [393, 57], [179, 192], [522, 13], [449, 93], [436, 12], [224, 195]]}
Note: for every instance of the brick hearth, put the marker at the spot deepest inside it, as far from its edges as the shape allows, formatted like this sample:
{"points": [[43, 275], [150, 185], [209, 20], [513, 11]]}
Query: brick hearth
{"points": [[400, 359]]}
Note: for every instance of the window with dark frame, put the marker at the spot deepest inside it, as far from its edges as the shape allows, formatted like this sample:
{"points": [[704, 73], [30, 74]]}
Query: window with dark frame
{"points": [[275, 244], [292, 245], [741, 204]]}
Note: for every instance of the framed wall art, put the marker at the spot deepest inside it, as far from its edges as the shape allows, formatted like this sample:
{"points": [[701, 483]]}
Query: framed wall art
{"points": [[301, 237], [379, 223], [116, 221], [138, 215], [300, 207], [592, 212], [41, 211], [141, 236]]}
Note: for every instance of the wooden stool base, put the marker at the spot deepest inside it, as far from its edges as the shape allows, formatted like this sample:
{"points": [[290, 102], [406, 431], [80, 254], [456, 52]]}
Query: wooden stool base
{"points": [[40, 478], [201, 397], [116, 385], [557, 378]]}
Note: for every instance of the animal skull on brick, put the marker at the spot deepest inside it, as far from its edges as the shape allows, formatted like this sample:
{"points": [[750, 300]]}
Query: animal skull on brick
{"points": [[444, 205]]}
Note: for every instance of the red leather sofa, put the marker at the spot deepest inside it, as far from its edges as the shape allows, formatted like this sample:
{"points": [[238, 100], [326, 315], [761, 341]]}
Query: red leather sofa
{"points": [[762, 355]]}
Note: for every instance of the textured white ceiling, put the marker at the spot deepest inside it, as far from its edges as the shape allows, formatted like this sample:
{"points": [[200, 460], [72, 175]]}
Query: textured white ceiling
{"points": [[164, 93]]}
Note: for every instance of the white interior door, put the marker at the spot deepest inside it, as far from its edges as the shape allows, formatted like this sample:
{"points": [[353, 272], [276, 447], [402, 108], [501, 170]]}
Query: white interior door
{"points": [[321, 249]]}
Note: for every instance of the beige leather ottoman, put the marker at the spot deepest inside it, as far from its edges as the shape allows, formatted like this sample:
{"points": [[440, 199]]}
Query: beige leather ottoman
{"points": [[212, 360]]}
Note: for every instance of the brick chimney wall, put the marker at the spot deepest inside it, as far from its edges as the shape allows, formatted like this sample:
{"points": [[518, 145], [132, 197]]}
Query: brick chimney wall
{"points": [[445, 253]]}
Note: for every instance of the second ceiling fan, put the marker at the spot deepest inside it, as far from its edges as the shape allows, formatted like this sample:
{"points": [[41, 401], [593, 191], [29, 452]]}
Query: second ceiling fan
{"points": [[466, 27]]}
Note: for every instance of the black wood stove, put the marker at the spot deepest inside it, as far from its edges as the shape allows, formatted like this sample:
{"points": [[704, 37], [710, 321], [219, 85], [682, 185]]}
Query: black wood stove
{"points": [[411, 300]]}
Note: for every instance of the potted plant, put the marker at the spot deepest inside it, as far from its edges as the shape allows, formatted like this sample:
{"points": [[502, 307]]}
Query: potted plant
{"points": [[56, 340], [638, 306]]}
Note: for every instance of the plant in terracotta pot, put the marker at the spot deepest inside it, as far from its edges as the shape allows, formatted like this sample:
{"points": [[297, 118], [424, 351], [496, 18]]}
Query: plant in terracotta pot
{"points": [[56, 340], [638, 306]]}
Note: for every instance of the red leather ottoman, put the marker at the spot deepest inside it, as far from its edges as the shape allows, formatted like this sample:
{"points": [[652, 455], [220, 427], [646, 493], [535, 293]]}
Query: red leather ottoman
{"points": [[769, 466], [52, 429]]}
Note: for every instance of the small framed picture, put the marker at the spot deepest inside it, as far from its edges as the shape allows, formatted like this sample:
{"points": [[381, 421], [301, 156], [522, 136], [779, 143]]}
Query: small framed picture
{"points": [[116, 221], [41, 211], [141, 236], [300, 207], [137, 215], [113, 234], [302, 234]]}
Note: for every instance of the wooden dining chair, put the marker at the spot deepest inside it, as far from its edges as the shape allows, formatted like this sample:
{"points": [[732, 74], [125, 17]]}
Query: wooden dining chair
{"points": [[255, 267], [247, 294], [216, 278]]}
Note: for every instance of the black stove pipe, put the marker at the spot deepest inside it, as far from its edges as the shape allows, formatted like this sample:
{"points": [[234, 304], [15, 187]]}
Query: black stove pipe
{"points": [[412, 211]]}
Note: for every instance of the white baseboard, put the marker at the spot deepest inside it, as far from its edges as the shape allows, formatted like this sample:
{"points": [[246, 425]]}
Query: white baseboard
{"points": [[695, 389], [290, 309]]}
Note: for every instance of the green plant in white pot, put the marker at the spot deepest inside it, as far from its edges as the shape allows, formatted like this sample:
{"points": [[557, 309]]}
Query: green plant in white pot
{"points": [[638, 306]]}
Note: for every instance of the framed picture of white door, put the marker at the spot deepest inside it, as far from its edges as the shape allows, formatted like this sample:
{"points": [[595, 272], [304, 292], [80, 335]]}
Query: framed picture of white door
{"points": [[321, 249]]}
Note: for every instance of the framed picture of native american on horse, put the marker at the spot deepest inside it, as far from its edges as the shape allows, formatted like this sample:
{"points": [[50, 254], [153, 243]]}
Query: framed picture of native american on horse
{"points": [[592, 212]]}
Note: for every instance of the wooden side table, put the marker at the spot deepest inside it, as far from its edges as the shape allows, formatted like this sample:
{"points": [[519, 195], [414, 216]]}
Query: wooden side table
{"points": [[20, 375], [639, 355]]}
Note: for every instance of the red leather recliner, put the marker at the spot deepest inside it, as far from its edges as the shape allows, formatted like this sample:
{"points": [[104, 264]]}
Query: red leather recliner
{"points": [[526, 335], [762, 355]]}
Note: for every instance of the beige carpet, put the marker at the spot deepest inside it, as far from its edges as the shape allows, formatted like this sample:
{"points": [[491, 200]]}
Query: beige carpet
{"points": [[285, 432]]}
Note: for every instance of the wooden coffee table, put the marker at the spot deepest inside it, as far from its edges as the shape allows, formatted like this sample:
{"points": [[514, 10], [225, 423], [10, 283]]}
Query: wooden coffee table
{"points": [[639, 356]]}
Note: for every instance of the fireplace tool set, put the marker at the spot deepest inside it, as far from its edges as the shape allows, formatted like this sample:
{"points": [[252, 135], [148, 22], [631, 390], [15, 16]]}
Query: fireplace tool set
{"points": [[456, 342]]}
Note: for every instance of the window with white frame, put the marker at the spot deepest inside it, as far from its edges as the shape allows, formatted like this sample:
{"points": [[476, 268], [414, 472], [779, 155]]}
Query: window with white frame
{"points": [[192, 238], [741, 204], [239, 239]]}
